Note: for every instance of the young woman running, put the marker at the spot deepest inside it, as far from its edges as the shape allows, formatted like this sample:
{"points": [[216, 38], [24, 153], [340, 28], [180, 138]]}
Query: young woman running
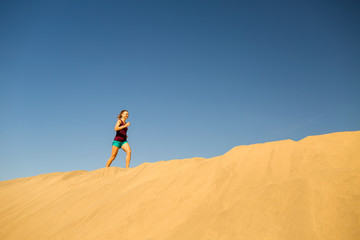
{"points": [[120, 139]]}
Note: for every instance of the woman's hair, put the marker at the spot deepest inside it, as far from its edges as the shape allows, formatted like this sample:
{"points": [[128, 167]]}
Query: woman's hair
{"points": [[121, 113]]}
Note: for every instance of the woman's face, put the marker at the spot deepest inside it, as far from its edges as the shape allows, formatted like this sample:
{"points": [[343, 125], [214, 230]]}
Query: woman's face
{"points": [[125, 115]]}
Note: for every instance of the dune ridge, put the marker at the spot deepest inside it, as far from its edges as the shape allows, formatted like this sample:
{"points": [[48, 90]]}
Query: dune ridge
{"points": [[307, 189]]}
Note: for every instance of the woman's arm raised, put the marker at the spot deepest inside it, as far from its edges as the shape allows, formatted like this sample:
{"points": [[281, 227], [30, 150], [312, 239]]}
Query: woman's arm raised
{"points": [[117, 125]]}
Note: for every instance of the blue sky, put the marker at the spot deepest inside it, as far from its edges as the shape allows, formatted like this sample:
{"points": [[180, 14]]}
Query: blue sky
{"points": [[197, 77]]}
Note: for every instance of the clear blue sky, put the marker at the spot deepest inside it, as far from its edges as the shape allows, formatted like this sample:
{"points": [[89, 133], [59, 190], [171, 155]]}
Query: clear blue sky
{"points": [[197, 77]]}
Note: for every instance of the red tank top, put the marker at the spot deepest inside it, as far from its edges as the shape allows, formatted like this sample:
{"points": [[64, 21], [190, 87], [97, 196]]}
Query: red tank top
{"points": [[121, 134]]}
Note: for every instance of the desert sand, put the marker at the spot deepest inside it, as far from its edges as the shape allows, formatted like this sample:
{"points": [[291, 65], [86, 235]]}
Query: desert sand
{"points": [[307, 189]]}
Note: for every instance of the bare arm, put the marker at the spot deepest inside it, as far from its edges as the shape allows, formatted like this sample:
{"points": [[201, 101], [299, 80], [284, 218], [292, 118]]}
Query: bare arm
{"points": [[117, 125]]}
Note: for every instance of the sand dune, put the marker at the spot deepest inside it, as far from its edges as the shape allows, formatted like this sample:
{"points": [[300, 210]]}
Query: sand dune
{"points": [[308, 189]]}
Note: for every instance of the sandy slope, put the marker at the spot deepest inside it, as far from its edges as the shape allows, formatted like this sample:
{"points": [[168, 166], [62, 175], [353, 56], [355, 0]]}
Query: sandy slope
{"points": [[308, 189]]}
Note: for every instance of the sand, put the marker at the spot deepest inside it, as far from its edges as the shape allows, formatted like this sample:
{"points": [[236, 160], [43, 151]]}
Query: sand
{"points": [[307, 189]]}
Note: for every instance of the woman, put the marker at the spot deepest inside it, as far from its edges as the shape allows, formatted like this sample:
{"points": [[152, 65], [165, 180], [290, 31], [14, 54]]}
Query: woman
{"points": [[120, 139]]}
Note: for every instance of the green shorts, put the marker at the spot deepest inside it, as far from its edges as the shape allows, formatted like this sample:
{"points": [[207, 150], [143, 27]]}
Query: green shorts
{"points": [[118, 144]]}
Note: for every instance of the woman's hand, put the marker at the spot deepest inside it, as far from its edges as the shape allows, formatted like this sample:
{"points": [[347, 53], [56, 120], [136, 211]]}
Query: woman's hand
{"points": [[127, 124]]}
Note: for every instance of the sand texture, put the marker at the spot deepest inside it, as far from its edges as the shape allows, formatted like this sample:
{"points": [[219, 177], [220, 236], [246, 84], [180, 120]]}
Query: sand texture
{"points": [[307, 189]]}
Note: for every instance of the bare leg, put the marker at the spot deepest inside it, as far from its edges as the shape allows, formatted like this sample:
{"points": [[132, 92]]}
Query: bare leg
{"points": [[113, 155], [127, 149]]}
